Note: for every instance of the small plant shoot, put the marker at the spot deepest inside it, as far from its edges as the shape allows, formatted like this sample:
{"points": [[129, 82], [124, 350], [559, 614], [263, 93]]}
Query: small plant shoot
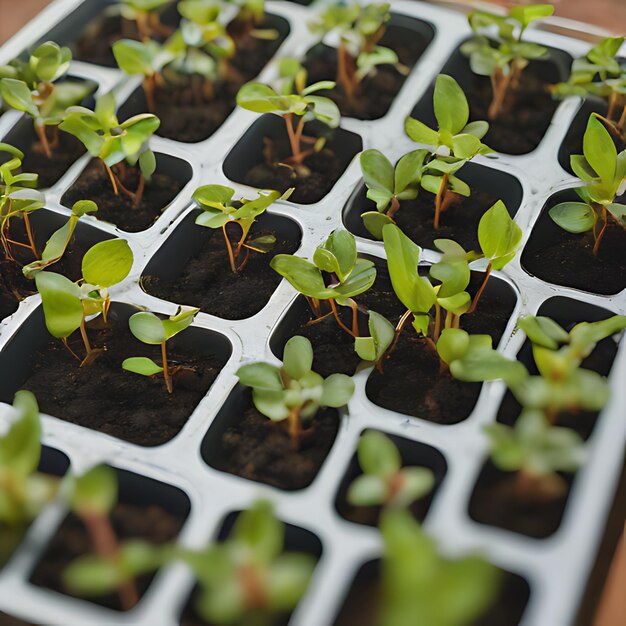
{"points": [[219, 209], [419, 586], [603, 173], [67, 305], [456, 142], [117, 145], [152, 330], [384, 481], [293, 392], [337, 260], [31, 87], [360, 28], [499, 51], [18, 199], [146, 14]]}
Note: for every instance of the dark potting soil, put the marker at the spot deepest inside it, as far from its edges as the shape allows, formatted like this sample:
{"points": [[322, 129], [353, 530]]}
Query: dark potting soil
{"points": [[94, 184], [106, 398], [495, 501], [526, 116], [254, 447], [312, 181], [152, 524], [50, 170], [208, 282], [377, 92], [363, 601], [564, 258], [9, 620]]}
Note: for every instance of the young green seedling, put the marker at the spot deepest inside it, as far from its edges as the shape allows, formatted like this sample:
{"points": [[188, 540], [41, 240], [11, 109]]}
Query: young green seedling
{"points": [[599, 73], [30, 86], [456, 142], [293, 392], [93, 498], [57, 245], [68, 305], [23, 490], [262, 98], [151, 329], [146, 15], [603, 173], [419, 586], [503, 58], [360, 28], [115, 144], [219, 210], [384, 481], [348, 276], [17, 200]]}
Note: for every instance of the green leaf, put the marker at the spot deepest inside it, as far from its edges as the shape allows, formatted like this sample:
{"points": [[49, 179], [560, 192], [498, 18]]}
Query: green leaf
{"points": [[271, 404], [499, 236], [361, 278], [574, 217], [214, 196], [61, 301], [107, 263], [18, 96], [95, 492], [599, 149], [83, 207], [325, 110], [302, 274], [618, 211], [529, 13], [134, 57], [378, 455], [452, 344], [367, 490], [374, 222], [408, 172], [420, 133], [260, 531], [337, 254], [259, 98], [147, 327], [262, 376], [543, 331], [288, 580], [450, 104], [337, 390], [141, 365], [415, 483], [382, 333], [181, 320], [297, 357], [378, 175]]}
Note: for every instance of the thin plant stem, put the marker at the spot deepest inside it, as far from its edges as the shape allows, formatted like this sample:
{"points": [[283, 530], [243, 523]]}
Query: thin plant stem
{"points": [[85, 338], [399, 327], [439, 200], [479, 293], [343, 73], [112, 177], [294, 427], [317, 320], [166, 371], [29, 234], [43, 139], [295, 146], [622, 120], [333, 306], [596, 245], [231, 256], [355, 319], [395, 205], [437, 328]]}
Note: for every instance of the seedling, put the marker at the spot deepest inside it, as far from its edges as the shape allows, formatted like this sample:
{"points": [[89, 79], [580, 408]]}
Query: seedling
{"points": [[18, 199], [504, 58], [599, 73], [384, 481], [94, 496], [360, 28], [336, 275], [603, 173], [68, 305], [293, 392], [116, 145], [57, 245], [262, 98], [23, 490], [456, 142], [151, 329], [30, 86], [219, 210], [146, 15], [419, 586]]}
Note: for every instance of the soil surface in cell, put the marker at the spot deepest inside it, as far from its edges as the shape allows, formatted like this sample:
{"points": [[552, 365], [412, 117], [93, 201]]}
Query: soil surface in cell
{"points": [[497, 501], [526, 114], [375, 93], [14, 286], [106, 398], [312, 180], [149, 523], [254, 447], [208, 282], [95, 185], [567, 259], [362, 604]]}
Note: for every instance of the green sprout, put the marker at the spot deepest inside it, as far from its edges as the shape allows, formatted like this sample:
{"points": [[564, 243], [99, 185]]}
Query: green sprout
{"points": [[293, 392], [360, 28], [116, 145], [504, 59], [146, 15], [419, 586], [67, 305], [31, 87], [295, 100], [152, 330], [94, 496], [219, 209], [18, 199], [59, 241], [384, 481], [599, 73], [603, 172], [456, 142], [23, 490], [348, 276]]}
